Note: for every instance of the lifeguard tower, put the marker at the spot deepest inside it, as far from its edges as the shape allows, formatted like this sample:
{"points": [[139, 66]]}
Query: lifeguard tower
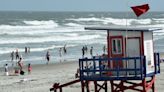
{"points": [[130, 63]]}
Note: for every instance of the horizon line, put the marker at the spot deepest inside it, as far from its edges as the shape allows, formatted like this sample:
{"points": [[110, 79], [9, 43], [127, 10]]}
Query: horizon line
{"points": [[63, 11]]}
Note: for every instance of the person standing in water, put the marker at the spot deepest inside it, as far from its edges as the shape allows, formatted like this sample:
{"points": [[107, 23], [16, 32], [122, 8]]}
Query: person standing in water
{"points": [[25, 49], [91, 51], [86, 49], [83, 51], [48, 56], [17, 54], [64, 49], [12, 58]]}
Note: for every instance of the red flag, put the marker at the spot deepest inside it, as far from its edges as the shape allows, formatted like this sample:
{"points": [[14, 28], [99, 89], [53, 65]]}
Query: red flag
{"points": [[141, 9]]}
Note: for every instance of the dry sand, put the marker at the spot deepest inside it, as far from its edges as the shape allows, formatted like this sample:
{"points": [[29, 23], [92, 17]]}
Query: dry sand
{"points": [[43, 77]]}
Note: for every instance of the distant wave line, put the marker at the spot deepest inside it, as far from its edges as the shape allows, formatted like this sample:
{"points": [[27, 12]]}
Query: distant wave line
{"points": [[48, 39], [115, 21], [9, 50]]}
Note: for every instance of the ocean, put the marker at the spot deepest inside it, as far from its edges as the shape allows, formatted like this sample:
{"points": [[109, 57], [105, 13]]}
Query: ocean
{"points": [[43, 31]]}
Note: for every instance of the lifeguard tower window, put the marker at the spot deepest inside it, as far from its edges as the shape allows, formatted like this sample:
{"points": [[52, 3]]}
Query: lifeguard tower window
{"points": [[116, 46]]}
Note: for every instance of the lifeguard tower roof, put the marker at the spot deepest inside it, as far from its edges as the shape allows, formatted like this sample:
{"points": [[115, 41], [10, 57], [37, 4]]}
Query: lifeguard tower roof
{"points": [[123, 28]]}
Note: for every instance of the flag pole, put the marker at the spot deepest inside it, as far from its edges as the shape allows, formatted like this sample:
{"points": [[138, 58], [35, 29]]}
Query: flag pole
{"points": [[138, 10], [126, 54]]}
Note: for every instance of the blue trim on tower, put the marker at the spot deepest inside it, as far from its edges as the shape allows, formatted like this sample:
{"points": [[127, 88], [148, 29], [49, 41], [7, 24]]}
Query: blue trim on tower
{"points": [[97, 68]]}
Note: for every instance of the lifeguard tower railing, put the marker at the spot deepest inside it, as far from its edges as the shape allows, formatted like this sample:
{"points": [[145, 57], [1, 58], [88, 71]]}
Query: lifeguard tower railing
{"points": [[99, 68]]}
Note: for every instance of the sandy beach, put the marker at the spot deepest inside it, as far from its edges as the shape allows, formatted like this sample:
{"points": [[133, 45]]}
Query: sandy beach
{"points": [[42, 78]]}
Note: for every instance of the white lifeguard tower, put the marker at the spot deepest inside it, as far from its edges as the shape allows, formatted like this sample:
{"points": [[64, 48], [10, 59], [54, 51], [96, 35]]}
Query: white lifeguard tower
{"points": [[130, 42], [130, 57]]}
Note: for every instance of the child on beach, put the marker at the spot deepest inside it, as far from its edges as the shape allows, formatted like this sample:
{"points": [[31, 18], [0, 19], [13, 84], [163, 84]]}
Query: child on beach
{"points": [[6, 70], [29, 68]]}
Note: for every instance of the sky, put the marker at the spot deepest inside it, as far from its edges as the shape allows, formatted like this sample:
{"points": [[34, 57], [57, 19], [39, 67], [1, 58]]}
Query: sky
{"points": [[77, 5]]}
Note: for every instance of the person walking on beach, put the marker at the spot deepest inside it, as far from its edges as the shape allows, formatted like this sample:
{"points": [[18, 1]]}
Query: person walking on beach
{"points": [[6, 70], [17, 54], [29, 68], [91, 51], [48, 56], [20, 64]]}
